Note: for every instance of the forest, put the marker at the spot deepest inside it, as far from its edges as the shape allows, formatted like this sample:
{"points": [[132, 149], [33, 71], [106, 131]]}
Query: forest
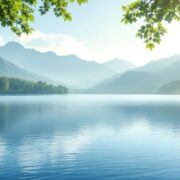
{"points": [[19, 86]]}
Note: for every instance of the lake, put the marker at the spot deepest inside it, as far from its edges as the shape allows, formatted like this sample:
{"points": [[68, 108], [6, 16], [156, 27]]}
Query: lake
{"points": [[90, 137]]}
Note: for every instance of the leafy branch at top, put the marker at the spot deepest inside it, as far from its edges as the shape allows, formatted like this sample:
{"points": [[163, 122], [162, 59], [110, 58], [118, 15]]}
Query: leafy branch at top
{"points": [[153, 13], [19, 15]]}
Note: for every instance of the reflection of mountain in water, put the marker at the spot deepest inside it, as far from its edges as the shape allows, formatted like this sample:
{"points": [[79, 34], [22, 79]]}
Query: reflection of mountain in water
{"points": [[19, 119], [62, 137]]}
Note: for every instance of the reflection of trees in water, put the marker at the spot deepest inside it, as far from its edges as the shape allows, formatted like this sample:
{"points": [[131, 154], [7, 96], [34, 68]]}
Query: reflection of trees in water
{"points": [[39, 118], [24, 115], [11, 113]]}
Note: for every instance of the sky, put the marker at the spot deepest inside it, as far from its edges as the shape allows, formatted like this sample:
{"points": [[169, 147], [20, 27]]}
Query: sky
{"points": [[95, 34]]}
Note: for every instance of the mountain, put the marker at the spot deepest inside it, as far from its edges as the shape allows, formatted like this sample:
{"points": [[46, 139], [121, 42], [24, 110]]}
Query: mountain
{"points": [[69, 70], [128, 82], [170, 88], [8, 69], [160, 64], [146, 79], [119, 65]]}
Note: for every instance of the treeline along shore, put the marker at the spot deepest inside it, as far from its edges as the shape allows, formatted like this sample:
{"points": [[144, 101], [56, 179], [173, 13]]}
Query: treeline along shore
{"points": [[19, 86]]}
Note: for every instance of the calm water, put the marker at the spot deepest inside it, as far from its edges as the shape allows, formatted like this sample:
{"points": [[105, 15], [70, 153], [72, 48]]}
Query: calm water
{"points": [[89, 137]]}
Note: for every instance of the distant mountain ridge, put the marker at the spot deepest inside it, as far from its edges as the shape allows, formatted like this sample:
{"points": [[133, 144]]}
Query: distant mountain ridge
{"points": [[114, 76], [170, 88], [119, 65], [145, 79], [159, 65], [69, 70], [8, 69]]}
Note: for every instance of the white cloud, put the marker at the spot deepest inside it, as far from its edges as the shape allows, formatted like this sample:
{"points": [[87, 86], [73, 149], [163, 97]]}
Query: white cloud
{"points": [[129, 48], [59, 43], [133, 49]]}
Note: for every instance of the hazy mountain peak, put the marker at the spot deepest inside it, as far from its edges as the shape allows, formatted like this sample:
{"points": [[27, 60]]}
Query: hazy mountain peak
{"points": [[145, 79], [116, 60], [176, 56], [161, 64], [9, 69], [119, 65], [69, 70], [50, 53], [13, 44]]}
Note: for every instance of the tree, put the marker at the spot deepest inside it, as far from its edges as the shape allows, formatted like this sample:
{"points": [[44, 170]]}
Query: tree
{"points": [[4, 84], [154, 14], [19, 14], [19, 86]]}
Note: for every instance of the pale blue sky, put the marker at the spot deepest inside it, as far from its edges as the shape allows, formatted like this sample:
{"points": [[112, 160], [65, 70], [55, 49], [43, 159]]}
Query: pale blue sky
{"points": [[96, 33]]}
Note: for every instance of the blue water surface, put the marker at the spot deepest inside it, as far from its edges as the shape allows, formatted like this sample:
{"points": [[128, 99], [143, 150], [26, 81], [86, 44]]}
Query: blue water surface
{"points": [[90, 137]]}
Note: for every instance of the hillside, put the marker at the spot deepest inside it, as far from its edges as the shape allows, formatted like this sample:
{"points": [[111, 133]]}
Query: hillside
{"points": [[145, 79], [70, 69], [8, 69], [160, 64], [170, 88], [127, 83], [119, 65]]}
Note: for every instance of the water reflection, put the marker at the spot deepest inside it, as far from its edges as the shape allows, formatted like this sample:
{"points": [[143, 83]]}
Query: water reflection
{"points": [[71, 136]]}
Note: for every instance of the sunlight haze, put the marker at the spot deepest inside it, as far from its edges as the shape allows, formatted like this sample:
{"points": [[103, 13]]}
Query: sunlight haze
{"points": [[95, 34]]}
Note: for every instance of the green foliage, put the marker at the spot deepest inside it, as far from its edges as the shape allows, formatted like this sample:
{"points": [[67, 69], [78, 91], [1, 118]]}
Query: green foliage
{"points": [[59, 7], [153, 13], [4, 84], [19, 14], [18, 86]]}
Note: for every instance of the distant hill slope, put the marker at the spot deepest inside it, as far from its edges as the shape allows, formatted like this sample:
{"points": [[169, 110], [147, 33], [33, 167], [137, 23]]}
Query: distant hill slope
{"points": [[70, 70], [170, 88], [119, 65], [159, 65], [145, 79], [8, 69], [128, 82]]}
